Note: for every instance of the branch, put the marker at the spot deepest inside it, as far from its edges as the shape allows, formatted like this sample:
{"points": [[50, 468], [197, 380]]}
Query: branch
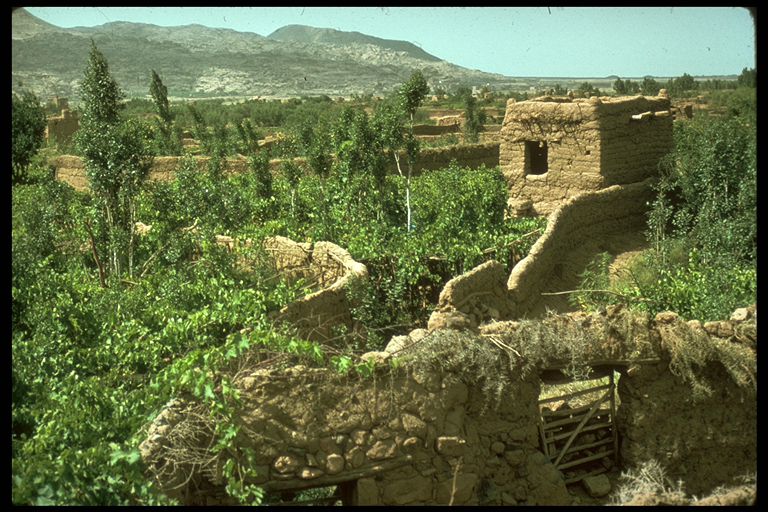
{"points": [[102, 278]]}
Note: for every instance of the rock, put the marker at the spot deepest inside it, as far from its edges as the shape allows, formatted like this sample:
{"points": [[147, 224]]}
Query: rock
{"points": [[312, 461], [397, 343], [498, 447], [385, 449], [740, 315], [515, 457], [410, 490], [451, 446], [286, 464], [597, 485], [355, 457], [508, 499], [417, 335], [461, 490], [376, 357], [666, 317], [367, 492], [334, 464], [310, 473], [449, 320], [360, 437], [328, 445], [414, 425], [410, 444]]}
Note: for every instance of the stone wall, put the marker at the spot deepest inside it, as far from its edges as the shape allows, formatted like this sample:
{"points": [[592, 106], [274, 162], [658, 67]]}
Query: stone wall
{"points": [[408, 437], [427, 434], [589, 145], [71, 170]]}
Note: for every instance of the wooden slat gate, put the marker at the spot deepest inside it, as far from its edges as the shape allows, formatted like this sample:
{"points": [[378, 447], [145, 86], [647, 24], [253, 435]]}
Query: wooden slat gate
{"points": [[581, 441]]}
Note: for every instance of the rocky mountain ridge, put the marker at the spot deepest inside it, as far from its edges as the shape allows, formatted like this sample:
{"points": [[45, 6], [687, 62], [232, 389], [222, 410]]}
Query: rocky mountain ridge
{"points": [[197, 61]]}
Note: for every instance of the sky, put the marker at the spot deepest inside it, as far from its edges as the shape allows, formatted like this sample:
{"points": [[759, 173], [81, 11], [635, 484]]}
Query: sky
{"points": [[513, 41]]}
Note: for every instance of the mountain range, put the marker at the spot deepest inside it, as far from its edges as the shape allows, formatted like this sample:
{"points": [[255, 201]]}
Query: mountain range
{"points": [[198, 61]]}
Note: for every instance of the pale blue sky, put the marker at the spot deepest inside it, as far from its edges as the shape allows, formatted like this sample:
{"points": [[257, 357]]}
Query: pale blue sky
{"points": [[514, 41]]}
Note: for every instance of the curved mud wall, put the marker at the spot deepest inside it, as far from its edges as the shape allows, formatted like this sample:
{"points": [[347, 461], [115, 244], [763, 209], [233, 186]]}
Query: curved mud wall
{"points": [[583, 226], [326, 264]]}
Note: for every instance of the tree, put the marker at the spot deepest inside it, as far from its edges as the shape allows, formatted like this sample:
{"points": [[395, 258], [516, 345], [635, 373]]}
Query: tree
{"points": [[169, 142], [682, 84], [588, 90], [747, 78], [649, 87], [619, 86], [27, 133], [117, 161], [474, 117], [412, 94]]}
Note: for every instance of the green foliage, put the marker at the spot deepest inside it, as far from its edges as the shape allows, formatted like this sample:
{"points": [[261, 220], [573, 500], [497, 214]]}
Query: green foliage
{"points": [[649, 87], [588, 90], [168, 138], [117, 160], [474, 117], [28, 124], [682, 85], [626, 86], [702, 225], [748, 78]]}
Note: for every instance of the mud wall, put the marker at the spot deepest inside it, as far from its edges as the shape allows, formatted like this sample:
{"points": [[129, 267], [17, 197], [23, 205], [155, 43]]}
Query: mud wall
{"points": [[331, 269], [587, 145], [70, 169], [583, 226], [61, 128], [631, 147], [427, 434], [704, 441]]}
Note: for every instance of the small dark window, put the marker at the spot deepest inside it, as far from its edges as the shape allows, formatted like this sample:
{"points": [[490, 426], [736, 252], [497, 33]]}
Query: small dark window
{"points": [[536, 156]]}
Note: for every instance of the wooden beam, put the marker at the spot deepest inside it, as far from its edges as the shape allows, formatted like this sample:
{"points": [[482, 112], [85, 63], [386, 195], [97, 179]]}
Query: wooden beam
{"points": [[590, 458], [577, 430], [568, 421], [574, 394], [588, 428]]}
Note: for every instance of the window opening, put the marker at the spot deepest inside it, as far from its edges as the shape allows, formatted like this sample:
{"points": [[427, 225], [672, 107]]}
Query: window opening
{"points": [[536, 157]]}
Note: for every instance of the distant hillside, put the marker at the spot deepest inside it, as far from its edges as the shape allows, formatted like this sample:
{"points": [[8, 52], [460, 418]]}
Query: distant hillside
{"points": [[197, 61], [305, 34]]}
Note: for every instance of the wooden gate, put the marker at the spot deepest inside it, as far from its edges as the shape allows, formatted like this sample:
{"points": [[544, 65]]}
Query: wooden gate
{"points": [[581, 441]]}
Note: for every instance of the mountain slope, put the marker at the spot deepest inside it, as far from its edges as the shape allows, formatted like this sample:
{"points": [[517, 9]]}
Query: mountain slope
{"points": [[305, 34], [197, 61]]}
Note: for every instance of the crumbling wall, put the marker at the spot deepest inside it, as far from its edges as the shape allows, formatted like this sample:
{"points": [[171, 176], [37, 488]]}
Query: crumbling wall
{"points": [[407, 437], [61, 128], [705, 441], [330, 269], [70, 169], [472, 298], [427, 433]]}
